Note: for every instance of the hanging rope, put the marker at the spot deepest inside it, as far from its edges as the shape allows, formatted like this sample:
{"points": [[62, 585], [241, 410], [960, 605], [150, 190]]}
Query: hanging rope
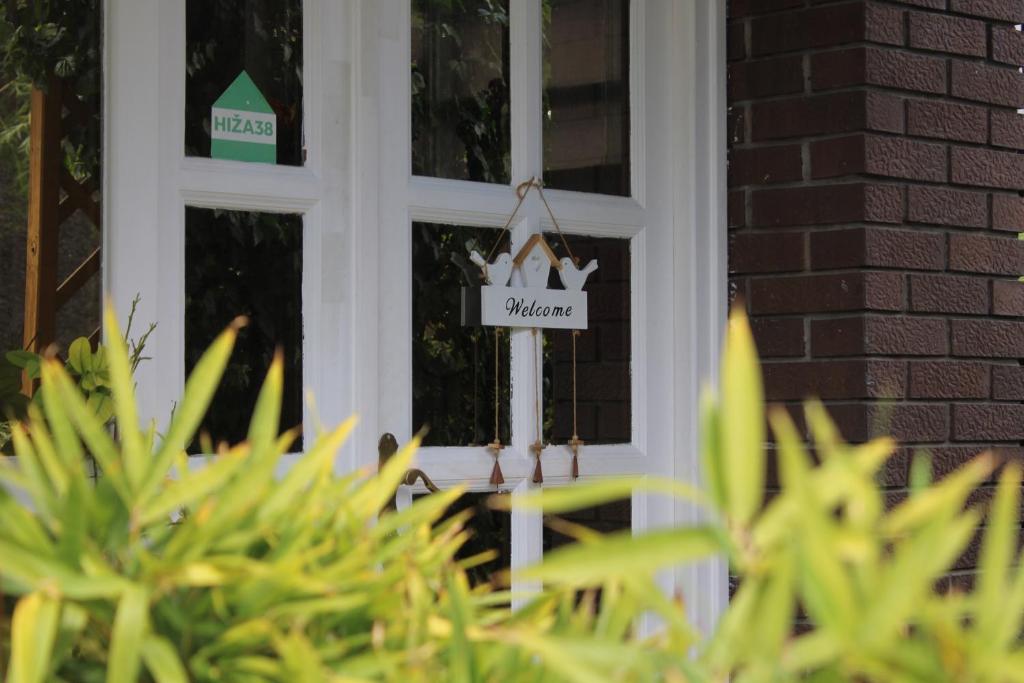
{"points": [[497, 479], [574, 442], [523, 189], [538, 445]]}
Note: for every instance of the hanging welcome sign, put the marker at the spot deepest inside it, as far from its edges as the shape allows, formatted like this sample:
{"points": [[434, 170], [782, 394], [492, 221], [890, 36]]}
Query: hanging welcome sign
{"points": [[243, 127], [515, 293]]}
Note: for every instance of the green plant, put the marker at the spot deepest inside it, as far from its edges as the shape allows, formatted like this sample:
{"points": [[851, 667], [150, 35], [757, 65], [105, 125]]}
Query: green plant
{"points": [[166, 572]]}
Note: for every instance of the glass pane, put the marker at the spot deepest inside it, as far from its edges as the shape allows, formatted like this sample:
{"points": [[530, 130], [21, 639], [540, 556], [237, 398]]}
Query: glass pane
{"points": [[491, 530], [586, 96], [460, 92], [453, 367], [614, 516], [603, 382], [250, 264], [262, 38]]}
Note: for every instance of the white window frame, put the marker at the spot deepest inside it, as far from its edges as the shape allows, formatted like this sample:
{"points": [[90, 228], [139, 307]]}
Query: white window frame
{"points": [[356, 187]]}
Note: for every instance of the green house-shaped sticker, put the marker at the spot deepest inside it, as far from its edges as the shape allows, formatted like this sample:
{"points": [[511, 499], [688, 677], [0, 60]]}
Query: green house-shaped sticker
{"points": [[243, 127]]}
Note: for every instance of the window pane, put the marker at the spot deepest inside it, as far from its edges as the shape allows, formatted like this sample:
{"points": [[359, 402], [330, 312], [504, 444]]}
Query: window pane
{"points": [[603, 382], [460, 91], [614, 516], [491, 530], [261, 37], [250, 264], [453, 367], [586, 96]]}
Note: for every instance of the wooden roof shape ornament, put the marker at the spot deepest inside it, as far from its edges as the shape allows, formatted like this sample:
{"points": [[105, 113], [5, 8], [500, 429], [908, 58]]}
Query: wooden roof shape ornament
{"points": [[535, 261]]}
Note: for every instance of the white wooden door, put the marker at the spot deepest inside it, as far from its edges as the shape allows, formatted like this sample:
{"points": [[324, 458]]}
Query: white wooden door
{"points": [[359, 199]]}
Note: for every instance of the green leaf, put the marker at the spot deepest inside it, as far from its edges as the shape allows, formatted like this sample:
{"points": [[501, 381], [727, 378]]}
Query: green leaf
{"points": [[33, 630], [742, 421], [79, 355], [622, 554], [997, 554], [587, 494], [131, 625], [711, 456], [22, 359], [135, 457], [162, 660]]}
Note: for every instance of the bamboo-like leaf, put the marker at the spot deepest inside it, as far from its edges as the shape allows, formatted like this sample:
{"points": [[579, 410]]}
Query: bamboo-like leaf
{"points": [[33, 630], [742, 421], [588, 494], [162, 660], [266, 416], [711, 456], [131, 626], [997, 555], [944, 498], [194, 487], [122, 384], [621, 554], [189, 413]]}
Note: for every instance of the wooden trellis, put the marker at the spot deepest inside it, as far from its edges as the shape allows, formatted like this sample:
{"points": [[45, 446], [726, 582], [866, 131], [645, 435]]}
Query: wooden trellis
{"points": [[54, 196]]}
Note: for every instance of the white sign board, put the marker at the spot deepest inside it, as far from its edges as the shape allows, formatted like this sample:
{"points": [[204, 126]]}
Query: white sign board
{"points": [[531, 307]]}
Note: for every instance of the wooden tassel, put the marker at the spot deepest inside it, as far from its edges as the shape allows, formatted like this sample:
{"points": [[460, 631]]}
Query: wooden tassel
{"points": [[538, 474], [575, 466], [496, 477]]}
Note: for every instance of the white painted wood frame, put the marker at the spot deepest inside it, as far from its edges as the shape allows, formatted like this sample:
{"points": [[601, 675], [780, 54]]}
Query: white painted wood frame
{"points": [[358, 200]]}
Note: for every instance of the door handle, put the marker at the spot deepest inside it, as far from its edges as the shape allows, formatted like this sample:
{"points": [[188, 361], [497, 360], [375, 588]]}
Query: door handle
{"points": [[386, 448]]}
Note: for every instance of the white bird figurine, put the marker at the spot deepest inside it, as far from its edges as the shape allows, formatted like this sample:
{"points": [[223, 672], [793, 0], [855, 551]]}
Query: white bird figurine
{"points": [[496, 273], [573, 278]]}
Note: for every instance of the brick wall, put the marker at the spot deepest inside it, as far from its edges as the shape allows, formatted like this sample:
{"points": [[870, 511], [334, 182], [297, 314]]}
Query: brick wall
{"points": [[875, 186]]}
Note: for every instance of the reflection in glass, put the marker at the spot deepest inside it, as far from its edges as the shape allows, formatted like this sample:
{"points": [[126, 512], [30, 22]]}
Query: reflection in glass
{"points": [[453, 367], [460, 90], [262, 37], [614, 516], [249, 264], [490, 531], [586, 96], [603, 382]]}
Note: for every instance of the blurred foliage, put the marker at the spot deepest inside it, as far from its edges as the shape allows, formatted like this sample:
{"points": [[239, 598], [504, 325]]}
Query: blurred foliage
{"points": [[168, 572], [245, 264], [87, 367], [462, 41], [453, 366]]}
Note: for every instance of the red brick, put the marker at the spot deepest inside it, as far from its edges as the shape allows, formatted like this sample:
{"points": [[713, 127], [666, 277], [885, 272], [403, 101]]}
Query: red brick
{"points": [[1004, 10], [883, 24], [824, 293], [778, 337], [818, 27], [827, 204], [737, 208], [1007, 212], [1007, 45], [986, 254], [823, 114], [761, 165], [988, 422], [906, 422], [744, 8], [878, 66], [735, 41], [1007, 128], [949, 379], [987, 168], [947, 120], [796, 380], [943, 206], [944, 33], [768, 252], [1008, 382], [765, 77], [985, 83], [877, 248], [988, 338], [930, 4], [1008, 299], [948, 294], [876, 335], [891, 157]]}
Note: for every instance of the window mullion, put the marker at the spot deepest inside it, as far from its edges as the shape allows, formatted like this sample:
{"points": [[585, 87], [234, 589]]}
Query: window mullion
{"points": [[525, 111]]}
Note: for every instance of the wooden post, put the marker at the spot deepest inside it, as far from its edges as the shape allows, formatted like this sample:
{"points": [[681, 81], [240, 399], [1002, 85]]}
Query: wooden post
{"points": [[43, 220]]}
